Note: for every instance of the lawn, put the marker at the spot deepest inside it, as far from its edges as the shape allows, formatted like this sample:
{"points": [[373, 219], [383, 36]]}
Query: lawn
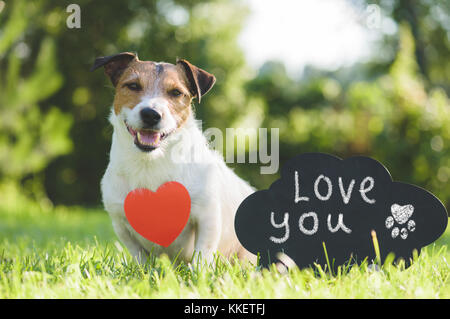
{"points": [[74, 253]]}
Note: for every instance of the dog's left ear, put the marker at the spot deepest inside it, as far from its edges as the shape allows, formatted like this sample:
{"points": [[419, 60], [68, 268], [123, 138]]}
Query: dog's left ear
{"points": [[200, 80], [114, 64]]}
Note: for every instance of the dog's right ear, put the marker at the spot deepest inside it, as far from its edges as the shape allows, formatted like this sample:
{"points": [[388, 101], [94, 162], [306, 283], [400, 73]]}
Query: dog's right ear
{"points": [[114, 64]]}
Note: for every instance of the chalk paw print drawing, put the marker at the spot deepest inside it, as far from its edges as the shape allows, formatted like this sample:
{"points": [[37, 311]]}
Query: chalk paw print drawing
{"points": [[401, 215]]}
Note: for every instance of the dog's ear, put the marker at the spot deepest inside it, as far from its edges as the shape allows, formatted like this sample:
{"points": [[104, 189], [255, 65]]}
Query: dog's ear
{"points": [[114, 64], [200, 80]]}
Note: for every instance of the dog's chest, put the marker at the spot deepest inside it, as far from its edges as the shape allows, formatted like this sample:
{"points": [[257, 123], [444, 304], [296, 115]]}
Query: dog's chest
{"points": [[116, 185], [119, 181]]}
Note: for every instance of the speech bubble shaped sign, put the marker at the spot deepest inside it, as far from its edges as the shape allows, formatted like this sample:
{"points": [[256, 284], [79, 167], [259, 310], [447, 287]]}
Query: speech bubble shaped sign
{"points": [[321, 200]]}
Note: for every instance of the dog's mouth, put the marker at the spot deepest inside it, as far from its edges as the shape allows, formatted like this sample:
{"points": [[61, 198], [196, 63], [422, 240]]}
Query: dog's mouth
{"points": [[146, 139]]}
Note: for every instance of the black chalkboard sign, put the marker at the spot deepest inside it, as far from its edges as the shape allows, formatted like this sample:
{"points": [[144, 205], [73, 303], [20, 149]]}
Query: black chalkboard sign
{"points": [[324, 201]]}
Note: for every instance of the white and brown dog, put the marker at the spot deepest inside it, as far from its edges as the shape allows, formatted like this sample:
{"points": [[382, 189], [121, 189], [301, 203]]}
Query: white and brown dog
{"points": [[154, 127]]}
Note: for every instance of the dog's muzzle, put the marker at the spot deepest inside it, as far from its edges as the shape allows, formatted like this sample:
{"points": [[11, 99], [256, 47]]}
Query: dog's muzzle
{"points": [[146, 139]]}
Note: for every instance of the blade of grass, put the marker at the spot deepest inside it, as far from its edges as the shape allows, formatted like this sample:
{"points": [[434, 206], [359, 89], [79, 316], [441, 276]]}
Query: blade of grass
{"points": [[328, 260], [376, 247]]}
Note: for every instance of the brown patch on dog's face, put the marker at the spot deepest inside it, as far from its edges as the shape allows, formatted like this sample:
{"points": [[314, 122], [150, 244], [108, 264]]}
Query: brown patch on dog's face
{"points": [[149, 79]]}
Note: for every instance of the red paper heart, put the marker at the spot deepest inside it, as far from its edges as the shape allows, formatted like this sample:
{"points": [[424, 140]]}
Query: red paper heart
{"points": [[159, 216]]}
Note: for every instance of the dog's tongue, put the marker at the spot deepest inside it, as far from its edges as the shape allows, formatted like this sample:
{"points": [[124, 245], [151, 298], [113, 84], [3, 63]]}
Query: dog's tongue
{"points": [[148, 138]]}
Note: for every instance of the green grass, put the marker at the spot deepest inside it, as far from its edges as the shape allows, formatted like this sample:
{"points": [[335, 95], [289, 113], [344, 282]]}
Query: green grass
{"points": [[73, 253]]}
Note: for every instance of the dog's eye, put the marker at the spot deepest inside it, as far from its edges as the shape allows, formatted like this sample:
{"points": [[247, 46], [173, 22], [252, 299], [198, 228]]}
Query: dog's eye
{"points": [[175, 93], [133, 86]]}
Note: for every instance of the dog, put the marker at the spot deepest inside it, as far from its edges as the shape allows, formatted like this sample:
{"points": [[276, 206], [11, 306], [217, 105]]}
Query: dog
{"points": [[155, 137]]}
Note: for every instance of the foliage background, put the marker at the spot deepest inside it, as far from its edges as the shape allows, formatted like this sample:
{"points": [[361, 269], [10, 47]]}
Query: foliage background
{"points": [[54, 133]]}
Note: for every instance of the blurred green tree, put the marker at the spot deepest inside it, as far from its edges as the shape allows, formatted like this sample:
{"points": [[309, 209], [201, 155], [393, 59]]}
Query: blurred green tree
{"points": [[30, 136], [430, 28]]}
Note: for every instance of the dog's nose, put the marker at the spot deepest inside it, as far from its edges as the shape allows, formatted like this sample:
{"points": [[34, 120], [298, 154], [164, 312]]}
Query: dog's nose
{"points": [[150, 116]]}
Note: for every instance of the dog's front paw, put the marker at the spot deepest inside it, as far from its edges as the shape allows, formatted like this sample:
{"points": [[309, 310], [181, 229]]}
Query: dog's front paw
{"points": [[203, 258]]}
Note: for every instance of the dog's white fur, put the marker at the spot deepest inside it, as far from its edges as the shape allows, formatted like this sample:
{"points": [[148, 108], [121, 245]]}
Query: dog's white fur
{"points": [[184, 156]]}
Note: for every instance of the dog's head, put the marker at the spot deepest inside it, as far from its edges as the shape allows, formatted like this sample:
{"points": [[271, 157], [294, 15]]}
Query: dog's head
{"points": [[153, 99]]}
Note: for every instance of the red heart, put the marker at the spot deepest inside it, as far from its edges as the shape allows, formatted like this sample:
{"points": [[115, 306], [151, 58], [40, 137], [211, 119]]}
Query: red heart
{"points": [[159, 216]]}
